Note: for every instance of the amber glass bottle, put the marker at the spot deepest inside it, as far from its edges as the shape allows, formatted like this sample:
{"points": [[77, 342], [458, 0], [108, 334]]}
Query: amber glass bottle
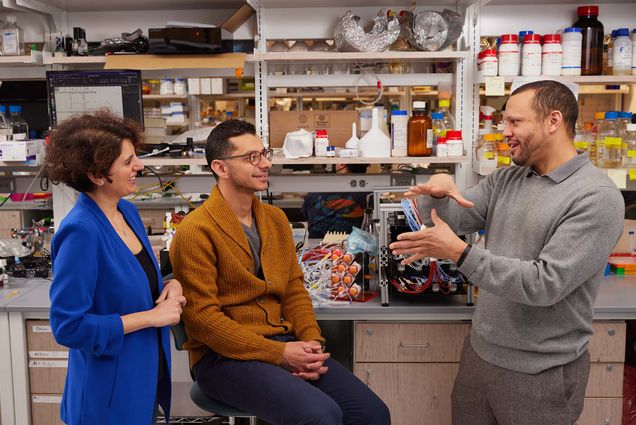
{"points": [[592, 56], [420, 131]]}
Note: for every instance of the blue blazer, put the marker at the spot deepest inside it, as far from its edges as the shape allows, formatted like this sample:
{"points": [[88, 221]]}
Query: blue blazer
{"points": [[112, 377]]}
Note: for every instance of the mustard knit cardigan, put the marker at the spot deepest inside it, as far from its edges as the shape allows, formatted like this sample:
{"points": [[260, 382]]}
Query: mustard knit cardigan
{"points": [[229, 309]]}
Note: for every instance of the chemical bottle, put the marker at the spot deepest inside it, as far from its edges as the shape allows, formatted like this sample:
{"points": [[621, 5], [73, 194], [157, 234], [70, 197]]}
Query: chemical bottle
{"points": [[622, 57], [583, 138], [551, 55], [12, 38], [439, 129], [399, 131], [454, 143], [504, 158], [5, 127], [629, 147], [592, 55], [531, 55], [509, 56], [441, 149], [420, 131], [449, 121], [320, 143], [487, 154], [606, 136], [19, 126], [624, 118], [571, 42]]}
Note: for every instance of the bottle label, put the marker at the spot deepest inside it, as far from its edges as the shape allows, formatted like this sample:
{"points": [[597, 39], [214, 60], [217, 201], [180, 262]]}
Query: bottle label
{"points": [[19, 136], [429, 138], [623, 57], [10, 42]]}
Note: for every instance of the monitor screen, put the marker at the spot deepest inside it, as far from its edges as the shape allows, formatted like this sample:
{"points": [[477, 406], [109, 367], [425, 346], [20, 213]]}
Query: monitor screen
{"points": [[80, 92]]}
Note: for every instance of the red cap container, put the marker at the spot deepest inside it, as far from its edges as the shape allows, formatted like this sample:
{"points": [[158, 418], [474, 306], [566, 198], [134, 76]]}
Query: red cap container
{"points": [[454, 135], [532, 38], [587, 11], [509, 38], [552, 38]]}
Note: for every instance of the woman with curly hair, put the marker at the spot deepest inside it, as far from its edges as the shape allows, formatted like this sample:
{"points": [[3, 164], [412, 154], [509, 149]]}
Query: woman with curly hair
{"points": [[108, 302]]}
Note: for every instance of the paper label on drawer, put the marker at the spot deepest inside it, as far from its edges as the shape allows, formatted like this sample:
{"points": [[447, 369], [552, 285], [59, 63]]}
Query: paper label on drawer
{"points": [[51, 399], [41, 329], [48, 354], [48, 363]]}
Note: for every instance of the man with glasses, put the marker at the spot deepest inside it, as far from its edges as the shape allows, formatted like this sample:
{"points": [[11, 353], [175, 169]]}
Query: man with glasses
{"points": [[550, 224], [253, 339]]}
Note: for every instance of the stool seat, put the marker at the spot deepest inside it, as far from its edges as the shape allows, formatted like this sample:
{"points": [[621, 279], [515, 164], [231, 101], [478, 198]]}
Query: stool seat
{"points": [[211, 405]]}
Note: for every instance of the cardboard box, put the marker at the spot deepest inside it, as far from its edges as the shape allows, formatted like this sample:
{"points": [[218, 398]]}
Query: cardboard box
{"points": [[337, 124], [21, 150]]}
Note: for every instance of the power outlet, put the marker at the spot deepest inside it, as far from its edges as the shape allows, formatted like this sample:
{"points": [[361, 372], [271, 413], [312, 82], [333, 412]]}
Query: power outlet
{"points": [[7, 184], [402, 179]]}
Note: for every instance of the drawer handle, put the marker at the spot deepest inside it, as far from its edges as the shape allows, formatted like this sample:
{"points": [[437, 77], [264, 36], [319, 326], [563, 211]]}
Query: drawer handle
{"points": [[425, 345], [609, 367], [368, 377], [611, 332]]}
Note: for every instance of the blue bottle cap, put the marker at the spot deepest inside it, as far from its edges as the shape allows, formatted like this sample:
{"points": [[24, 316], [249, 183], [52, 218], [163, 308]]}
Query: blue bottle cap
{"points": [[625, 115], [13, 109], [573, 29], [622, 32], [611, 115], [3, 109], [398, 112], [614, 32], [437, 115]]}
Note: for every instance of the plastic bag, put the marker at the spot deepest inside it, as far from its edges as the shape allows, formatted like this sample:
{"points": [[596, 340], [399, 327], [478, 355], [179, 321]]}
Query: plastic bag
{"points": [[361, 241]]}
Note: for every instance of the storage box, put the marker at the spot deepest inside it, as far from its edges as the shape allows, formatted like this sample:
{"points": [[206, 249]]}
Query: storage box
{"points": [[337, 124], [21, 150]]}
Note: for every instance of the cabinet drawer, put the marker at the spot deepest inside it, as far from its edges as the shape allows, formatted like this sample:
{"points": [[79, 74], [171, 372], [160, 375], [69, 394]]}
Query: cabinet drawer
{"points": [[608, 342], [409, 342], [412, 391], [606, 380], [45, 409], [47, 376], [40, 341], [601, 411]]}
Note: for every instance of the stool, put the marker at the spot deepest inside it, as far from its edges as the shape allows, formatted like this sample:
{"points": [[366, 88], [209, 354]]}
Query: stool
{"points": [[197, 395]]}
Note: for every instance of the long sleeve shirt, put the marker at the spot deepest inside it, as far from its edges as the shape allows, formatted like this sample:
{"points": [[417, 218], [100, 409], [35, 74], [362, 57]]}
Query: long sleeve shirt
{"points": [[230, 310], [547, 243]]}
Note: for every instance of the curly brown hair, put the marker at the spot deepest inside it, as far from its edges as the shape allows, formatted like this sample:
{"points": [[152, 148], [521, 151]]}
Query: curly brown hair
{"points": [[87, 144]]}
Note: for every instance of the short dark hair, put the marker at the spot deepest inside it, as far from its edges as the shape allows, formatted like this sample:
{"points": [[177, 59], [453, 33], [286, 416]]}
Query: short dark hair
{"points": [[87, 144], [219, 144], [550, 95]]}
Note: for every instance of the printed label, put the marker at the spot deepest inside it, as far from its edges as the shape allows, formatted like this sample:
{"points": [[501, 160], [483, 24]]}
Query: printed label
{"points": [[41, 329], [48, 354], [48, 363], [49, 399]]}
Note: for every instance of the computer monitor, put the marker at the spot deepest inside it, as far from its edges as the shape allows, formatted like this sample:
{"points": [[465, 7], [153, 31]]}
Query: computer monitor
{"points": [[79, 92]]}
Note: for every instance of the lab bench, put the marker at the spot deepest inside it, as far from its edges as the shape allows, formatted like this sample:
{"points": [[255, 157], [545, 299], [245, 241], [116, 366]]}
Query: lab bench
{"points": [[406, 348]]}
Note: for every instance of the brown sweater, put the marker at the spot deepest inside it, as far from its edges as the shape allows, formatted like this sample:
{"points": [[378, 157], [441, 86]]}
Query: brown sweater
{"points": [[229, 309]]}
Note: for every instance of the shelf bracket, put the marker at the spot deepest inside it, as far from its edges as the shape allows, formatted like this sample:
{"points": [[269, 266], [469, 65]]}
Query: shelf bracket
{"points": [[53, 18]]}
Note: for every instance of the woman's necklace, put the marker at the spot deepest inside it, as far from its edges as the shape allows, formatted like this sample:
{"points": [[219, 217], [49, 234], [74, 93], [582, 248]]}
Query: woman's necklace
{"points": [[121, 229]]}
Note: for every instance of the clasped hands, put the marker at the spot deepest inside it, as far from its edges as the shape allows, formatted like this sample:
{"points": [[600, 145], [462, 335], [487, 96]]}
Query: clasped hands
{"points": [[305, 359], [438, 241], [169, 305]]}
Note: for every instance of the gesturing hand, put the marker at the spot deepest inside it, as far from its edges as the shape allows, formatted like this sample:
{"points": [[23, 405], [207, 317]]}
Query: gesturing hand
{"points": [[438, 241], [440, 186]]}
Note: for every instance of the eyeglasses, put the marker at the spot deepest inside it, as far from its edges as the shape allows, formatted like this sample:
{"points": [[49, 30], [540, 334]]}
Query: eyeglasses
{"points": [[254, 157]]}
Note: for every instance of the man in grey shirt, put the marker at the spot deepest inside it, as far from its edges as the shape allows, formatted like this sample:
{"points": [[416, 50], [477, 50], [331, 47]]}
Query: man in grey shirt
{"points": [[550, 224]]}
